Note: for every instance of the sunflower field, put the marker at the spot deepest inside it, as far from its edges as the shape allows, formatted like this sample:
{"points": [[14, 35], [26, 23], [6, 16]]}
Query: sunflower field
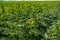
{"points": [[30, 20]]}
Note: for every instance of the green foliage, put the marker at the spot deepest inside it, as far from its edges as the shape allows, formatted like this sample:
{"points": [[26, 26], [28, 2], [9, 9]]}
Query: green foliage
{"points": [[29, 21]]}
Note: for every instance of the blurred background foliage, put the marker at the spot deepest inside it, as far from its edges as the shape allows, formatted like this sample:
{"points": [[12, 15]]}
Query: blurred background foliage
{"points": [[29, 0], [29, 20]]}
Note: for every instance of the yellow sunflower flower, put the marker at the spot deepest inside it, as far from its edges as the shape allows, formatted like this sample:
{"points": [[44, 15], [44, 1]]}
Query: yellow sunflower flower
{"points": [[30, 21]]}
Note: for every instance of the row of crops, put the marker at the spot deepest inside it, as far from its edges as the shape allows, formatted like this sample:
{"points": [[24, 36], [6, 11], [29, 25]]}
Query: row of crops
{"points": [[29, 20]]}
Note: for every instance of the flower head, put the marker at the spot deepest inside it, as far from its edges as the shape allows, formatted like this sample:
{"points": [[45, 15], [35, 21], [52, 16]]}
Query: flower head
{"points": [[30, 21]]}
